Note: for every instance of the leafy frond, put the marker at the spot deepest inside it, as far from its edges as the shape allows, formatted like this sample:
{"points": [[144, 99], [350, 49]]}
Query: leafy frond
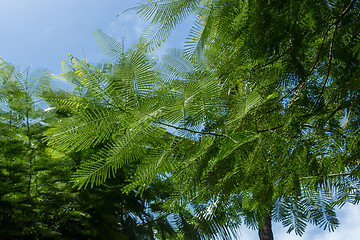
{"points": [[217, 219], [121, 152], [109, 45], [133, 79], [78, 133], [156, 164], [294, 216], [144, 74], [201, 32], [92, 79], [164, 15], [6, 70], [242, 104], [60, 99]]}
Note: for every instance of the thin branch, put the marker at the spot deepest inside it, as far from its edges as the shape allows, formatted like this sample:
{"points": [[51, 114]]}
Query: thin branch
{"points": [[329, 66], [347, 118], [328, 176], [280, 126], [169, 212], [275, 59], [310, 126], [326, 130], [190, 130], [198, 132], [312, 67], [154, 220], [336, 23], [269, 129], [346, 10], [193, 131]]}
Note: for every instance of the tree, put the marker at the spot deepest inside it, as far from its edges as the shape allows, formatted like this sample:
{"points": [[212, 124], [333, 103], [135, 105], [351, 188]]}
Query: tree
{"points": [[279, 49], [266, 120], [27, 191], [108, 102]]}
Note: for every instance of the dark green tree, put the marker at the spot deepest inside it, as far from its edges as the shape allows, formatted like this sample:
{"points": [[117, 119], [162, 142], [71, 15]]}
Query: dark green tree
{"points": [[37, 201], [24, 194]]}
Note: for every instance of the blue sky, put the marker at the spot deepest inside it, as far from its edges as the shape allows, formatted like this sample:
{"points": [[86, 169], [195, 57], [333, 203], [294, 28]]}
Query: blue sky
{"points": [[41, 33], [349, 228]]}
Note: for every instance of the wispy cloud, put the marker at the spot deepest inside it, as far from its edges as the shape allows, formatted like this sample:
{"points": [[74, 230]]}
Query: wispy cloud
{"points": [[127, 27]]}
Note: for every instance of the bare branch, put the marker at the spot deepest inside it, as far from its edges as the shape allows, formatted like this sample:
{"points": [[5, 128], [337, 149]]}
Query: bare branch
{"points": [[346, 10]]}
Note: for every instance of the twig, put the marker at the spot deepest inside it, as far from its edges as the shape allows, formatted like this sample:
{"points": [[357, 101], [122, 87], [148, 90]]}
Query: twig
{"points": [[169, 212], [310, 126], [347, 118], [154, 220], [304, 125], [193, 131]]}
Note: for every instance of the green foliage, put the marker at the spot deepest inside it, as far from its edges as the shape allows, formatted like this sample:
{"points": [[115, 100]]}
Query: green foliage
{"points": [[37, 200], [25, 193], [257, 118], [130, 107], [165, 15], [221, 140], [295, 64]]}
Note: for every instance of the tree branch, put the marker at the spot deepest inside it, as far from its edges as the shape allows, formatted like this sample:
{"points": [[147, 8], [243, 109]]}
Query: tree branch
{"points": [[280, 126], [169, 212], [310, 126], [347, 118]]}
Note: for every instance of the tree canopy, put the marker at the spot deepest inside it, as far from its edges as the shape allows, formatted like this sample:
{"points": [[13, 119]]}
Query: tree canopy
{"points": [[255, 120]]}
